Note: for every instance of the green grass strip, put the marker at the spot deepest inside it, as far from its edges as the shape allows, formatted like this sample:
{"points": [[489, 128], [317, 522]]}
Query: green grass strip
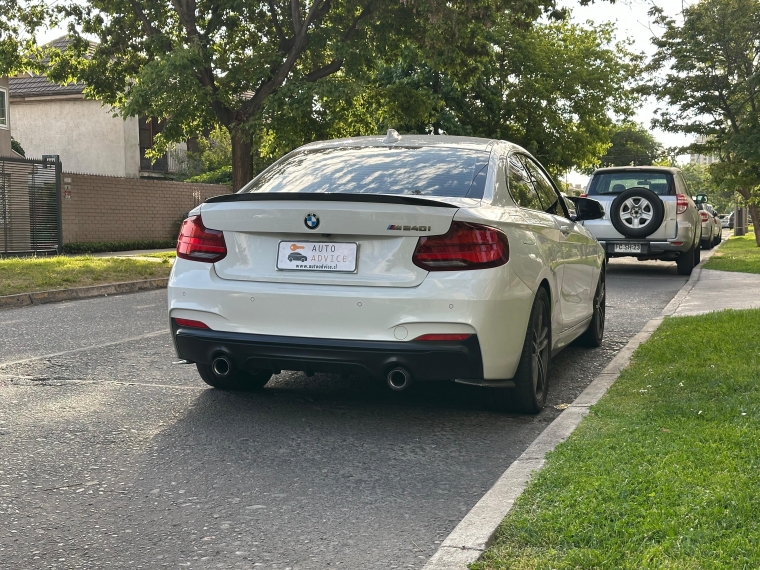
{"points": [[737, 254], [28, 274], [164, 255], [664, 472]]}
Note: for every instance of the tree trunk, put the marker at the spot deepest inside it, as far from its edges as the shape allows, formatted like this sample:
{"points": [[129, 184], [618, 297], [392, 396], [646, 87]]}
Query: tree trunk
{"points": [[755, 213], [242, 159]]}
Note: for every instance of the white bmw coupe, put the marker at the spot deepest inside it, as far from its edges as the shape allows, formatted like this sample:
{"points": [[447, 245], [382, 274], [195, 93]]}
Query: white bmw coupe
{"points": [[409, 258]]}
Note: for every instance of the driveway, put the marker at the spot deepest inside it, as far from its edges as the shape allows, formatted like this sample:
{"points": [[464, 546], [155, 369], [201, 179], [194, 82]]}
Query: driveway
{"points": [[115, 458]]}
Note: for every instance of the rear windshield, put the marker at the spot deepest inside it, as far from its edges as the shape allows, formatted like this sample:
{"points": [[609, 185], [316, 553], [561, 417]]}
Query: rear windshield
{"points": [[419, 171], [660, 183]]}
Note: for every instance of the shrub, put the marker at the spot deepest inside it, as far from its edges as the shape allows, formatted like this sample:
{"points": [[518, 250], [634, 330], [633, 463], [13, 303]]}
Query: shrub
{"points": [[106, 246]]}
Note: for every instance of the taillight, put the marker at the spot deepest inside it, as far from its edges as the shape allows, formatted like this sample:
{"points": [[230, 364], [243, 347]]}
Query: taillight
{"points": [[464, 246], [705, 216], [198, 243], [584, 195], [681, 203], [189, 323], [443, 337]]}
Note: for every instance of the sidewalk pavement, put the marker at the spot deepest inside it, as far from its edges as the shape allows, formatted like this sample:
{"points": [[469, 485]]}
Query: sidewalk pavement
{"points": [[718, 290], [133, 253]]}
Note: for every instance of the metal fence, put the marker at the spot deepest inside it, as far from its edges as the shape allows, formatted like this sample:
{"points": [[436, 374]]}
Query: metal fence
{"points": [[30, 206]]}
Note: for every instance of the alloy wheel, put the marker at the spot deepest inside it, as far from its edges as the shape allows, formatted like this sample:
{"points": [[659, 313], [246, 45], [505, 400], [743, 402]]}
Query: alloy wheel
{"points": [[600, 306], [636, 212], [540, 350]]}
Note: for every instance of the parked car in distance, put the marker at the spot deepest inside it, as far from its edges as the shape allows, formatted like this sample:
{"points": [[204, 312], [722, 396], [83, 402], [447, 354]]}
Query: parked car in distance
{"points": [[429, 258], [731, 220], [649, 214], [712, 232], [724, 220]]}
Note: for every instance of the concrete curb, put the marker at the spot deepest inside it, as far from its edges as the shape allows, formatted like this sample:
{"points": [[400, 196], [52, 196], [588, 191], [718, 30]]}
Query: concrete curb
{"points": [[475, 532], [55, 296]]}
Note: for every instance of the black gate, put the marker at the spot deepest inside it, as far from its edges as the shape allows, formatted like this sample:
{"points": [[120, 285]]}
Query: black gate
{"points": [[30, 206]]}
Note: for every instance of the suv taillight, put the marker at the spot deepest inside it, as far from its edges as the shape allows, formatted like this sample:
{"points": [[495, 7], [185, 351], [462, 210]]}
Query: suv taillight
{"points": [[464, 246], [197, 243], [682, 202], [705, 216]]}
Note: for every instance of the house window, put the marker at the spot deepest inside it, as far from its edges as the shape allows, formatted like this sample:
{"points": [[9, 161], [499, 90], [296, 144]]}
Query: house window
{"points": [[3, 108], [149, 128]]}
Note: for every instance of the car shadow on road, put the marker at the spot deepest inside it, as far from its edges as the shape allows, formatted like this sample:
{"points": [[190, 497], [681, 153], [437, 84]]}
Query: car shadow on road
{"points": [[359, 476]]}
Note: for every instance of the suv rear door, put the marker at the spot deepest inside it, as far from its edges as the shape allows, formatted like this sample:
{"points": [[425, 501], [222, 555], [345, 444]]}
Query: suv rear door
{"points": [[602, 188]]}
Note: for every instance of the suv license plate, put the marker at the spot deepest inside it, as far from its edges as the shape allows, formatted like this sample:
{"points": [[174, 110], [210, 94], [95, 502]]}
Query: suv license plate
{"points": [[627, 248], [316, 256]]}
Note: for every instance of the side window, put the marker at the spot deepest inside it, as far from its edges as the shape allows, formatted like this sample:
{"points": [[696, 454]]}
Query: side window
{"points": [[520, 185], [549, 197]]}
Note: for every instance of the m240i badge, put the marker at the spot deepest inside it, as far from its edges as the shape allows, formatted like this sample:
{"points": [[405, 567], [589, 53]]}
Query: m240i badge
{"points": [[411, 228]]}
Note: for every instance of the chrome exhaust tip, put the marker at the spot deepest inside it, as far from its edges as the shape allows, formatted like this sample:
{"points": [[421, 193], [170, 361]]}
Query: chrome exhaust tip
{"points": [[222, 366], [399, 379]]}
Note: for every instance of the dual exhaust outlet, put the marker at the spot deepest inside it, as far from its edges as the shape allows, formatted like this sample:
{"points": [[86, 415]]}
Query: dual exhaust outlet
{"points": [[398, 378]]}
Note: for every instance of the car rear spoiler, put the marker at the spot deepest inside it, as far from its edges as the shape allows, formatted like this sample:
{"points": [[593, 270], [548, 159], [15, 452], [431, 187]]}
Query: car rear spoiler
{"points": [[328, 197]]}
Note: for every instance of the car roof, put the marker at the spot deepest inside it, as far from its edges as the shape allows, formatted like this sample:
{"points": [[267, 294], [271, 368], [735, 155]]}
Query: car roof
{"points": [[447, 141], [670, 169]]}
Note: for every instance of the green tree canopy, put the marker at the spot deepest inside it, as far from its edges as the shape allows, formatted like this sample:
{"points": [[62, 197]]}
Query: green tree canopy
{"points": [[631, 145], [550, 87], [711, 79], [700, 181], [201, 63]]}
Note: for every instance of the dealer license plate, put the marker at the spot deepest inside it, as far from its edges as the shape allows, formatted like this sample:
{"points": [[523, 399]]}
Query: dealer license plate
{"points": [[627, 248], [316, 256]]}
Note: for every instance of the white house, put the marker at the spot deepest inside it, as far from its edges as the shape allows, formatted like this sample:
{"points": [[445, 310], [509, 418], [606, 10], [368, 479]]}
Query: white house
{"points": [[89, 138]]}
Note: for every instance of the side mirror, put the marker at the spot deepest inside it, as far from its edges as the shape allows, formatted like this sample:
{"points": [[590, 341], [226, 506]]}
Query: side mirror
{"points": [[701, 199], [587, 209]]}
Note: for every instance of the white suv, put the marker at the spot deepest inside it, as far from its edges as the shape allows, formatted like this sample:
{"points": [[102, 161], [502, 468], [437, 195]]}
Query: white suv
{"points": [[649, 214]]}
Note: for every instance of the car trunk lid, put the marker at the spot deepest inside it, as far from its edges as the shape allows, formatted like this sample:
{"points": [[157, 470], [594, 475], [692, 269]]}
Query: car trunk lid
{"points": [[259, 229]]}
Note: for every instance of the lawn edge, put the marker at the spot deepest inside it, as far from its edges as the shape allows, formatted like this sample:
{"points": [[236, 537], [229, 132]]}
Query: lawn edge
{"points": [[475, 532], [57, 295]]}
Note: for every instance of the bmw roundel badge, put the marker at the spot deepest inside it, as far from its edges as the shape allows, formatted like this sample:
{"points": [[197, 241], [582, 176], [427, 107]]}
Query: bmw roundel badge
{"points": [[311, 221]]}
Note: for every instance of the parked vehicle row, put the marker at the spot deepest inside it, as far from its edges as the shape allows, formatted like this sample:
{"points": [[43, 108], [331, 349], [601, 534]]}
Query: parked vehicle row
{"points": [[414, 258], [712, 230], [649, 214]]}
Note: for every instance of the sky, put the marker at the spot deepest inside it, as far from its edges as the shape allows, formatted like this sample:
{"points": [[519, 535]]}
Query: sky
{"points": [[631, 21]]}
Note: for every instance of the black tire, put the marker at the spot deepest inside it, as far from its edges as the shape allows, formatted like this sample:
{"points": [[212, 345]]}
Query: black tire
{"points": [[687, 260], [594, 334], [239, 380], [634, 205], [707, 244], [719, 237], [532, 377]]}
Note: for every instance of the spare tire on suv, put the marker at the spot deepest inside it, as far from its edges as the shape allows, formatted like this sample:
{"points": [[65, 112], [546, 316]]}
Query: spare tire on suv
{"points": [[637, 212]]}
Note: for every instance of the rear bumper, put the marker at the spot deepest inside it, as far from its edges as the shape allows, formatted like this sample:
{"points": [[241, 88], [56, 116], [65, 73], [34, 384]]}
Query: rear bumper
{"points": [[647, 247], [425, 360], [682, 241]]}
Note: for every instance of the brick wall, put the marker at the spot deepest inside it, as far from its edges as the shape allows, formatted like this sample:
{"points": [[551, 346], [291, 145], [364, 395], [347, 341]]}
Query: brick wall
{"points": [[105, 208]]}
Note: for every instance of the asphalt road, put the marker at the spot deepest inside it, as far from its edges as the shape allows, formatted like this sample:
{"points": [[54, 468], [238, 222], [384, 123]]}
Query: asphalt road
{"points": [[114, 458]]}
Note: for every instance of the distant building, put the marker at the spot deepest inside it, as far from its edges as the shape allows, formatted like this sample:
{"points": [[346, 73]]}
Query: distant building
{"points": [[55, 119], [702, 158]]}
